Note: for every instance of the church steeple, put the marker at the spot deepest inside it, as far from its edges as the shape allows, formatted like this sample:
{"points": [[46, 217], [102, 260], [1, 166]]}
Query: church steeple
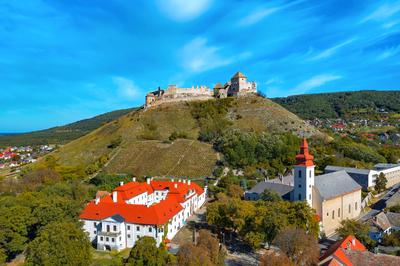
{"points": [[304, 158], [304, 174]]}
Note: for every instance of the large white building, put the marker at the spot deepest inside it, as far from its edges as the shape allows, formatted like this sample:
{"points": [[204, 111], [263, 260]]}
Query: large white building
{"points": [[156, 209]]}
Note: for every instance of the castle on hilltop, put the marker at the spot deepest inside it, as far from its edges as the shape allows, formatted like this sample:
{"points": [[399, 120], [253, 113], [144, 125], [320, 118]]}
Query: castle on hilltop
{"points": [[237, 86]]}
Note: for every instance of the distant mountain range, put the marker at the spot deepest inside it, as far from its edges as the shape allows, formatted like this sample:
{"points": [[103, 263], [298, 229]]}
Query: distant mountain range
{"points": [[340, 104], [61, 134]]}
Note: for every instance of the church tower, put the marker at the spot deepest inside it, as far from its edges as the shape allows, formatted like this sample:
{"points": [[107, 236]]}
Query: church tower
{"points": [[304, 174]]}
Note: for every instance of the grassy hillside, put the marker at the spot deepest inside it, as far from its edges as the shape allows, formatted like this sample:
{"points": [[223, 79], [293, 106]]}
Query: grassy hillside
{"points": [[341, 104], [138, 142], [61, 134]]}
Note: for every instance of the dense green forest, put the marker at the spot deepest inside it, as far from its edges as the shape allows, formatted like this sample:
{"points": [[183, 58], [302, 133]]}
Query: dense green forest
{"points": [[340, 104], [61, 134]]}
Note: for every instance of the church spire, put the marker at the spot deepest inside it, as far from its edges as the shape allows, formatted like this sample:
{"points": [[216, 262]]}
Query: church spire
{"points": [[304, 158]]}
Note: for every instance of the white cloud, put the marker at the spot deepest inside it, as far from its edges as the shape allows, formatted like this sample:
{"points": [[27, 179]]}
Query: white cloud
{"points": [[383, 12], [314, 82], [183, 10], [389, 53], [199, 56], [257, 16], [126, 87], [331, 51]]}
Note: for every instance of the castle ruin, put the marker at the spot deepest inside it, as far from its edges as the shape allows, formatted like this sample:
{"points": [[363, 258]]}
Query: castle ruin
{"points": [[237, 86]]}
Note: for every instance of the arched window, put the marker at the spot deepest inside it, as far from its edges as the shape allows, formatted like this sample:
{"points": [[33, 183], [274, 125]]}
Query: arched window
{"points": [[299, 196]]}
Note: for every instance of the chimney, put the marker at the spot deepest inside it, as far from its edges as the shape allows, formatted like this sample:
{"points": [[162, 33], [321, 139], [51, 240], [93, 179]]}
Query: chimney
{"points": [[172, 180], [97, 200], [353, 241], [180, 180], [121, 183], [115, 196], [134, 179], [148, 181], [184, 181], [176, 185], [189, 182]]}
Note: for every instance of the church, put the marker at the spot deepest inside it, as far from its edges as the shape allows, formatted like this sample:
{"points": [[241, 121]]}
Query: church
{"points": [[334, 196]]}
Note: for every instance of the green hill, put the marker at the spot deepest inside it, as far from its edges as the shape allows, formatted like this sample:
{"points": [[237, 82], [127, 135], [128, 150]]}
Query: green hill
{"points": [[340, 104], [140, 142], [61, 134]]}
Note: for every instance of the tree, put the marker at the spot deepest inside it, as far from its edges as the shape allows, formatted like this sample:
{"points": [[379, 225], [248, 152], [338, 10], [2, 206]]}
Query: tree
{"points": [[357, 229], [270, 195], [395, 208], [301, 248], [206, 252], [272, 258], [3, 256], [235, 191], [59, 243], [380, 183], [146, 253]]}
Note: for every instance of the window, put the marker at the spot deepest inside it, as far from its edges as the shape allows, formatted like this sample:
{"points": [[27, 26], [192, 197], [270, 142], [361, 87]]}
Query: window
{"points": [[150, 229], [107, 239], [349, 208], [333, 214], [338, 212], [355, 206], [327, 214], [112, 239], [309, 196], [137, 237], [115, 228], [119, 238], [129, 227], [137, 228], [310, 174], [299, 185], [129, 236], [101, 238], [299, 196], [94, 223], [94, 232], [299, 173], [108, 228]]}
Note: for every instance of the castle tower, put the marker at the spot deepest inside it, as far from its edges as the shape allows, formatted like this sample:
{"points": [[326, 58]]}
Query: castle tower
{"points": [[240, 85], [304, 174]]}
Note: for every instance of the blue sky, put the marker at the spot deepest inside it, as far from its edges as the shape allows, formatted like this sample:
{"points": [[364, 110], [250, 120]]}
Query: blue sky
{"points": [[61, 61]]}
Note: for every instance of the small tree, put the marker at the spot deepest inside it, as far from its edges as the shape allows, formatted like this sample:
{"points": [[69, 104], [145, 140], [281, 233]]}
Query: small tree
{"points": [[275, 259], [270, 195], [357, 229], [59, 243], [300, 247], [207, 252], [380, 183], [146, 252]]}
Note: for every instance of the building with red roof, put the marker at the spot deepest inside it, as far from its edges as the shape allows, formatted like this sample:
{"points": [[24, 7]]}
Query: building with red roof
{"points": [[349, 251], [157, 209]]}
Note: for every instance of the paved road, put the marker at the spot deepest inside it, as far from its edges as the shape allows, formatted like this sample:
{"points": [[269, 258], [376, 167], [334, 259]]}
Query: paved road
{"points": [[380, 204]]}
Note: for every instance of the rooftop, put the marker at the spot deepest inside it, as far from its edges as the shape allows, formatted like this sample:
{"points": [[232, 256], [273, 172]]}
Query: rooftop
{"points": [[334, 184], [331, 168], [281, 189], [157, 214]]}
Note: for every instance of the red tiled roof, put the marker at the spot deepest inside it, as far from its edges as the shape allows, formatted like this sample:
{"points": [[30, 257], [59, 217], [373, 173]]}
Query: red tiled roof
{"points": [[304, 158], [157, 214], [337, 251]]}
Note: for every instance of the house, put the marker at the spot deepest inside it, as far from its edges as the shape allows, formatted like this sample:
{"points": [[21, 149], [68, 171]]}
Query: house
{"points": [[157, 209], [334, 196], [338, 127], [384, 224], [349, 251], [366, 177]]}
